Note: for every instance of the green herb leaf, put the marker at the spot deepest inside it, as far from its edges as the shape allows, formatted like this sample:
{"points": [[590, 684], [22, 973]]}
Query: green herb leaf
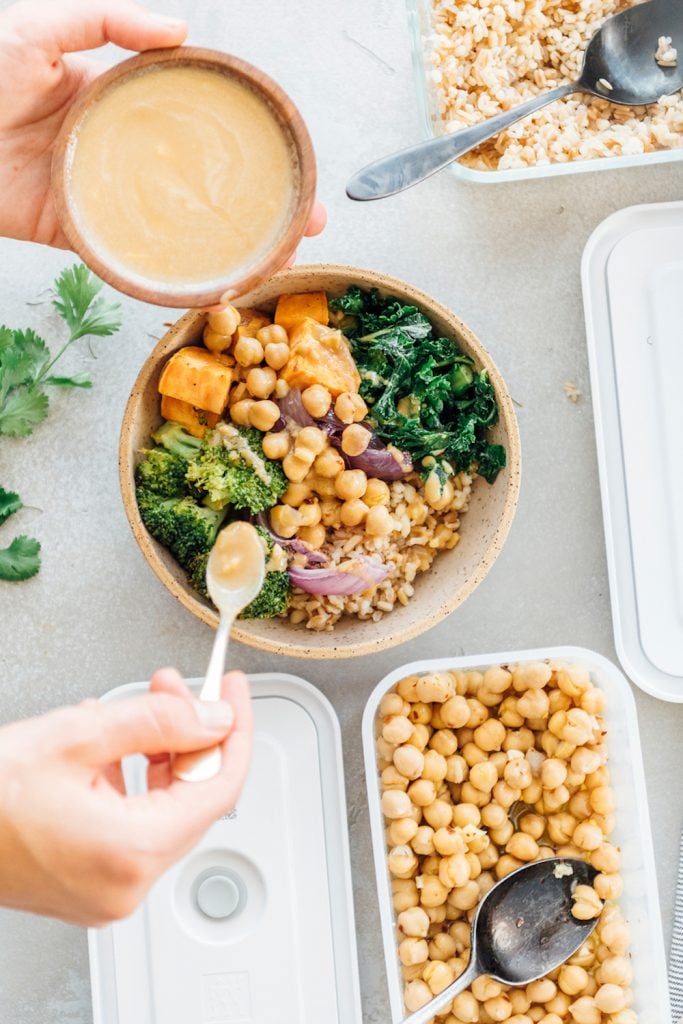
{"points": [[20, 560], [10, 502], [81, 306], [81, 380], [22, 410]]}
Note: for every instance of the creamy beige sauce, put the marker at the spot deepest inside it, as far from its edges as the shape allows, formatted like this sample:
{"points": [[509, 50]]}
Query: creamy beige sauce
{"points": [[237, 559], [239, 448], [181, 174]]}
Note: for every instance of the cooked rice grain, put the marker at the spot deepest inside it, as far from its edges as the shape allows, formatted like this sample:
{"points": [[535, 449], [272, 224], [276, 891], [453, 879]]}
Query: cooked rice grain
{"points": [[489, 56]]}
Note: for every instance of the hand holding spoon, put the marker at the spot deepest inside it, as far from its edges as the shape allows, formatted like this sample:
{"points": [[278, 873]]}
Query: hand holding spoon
{"points": [[234, 576], [619, 66], [523, 929]]}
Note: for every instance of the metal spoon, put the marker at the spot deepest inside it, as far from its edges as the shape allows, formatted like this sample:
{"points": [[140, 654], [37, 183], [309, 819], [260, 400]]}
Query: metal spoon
{"points": [[619, 65], [234, 576], [523, 928]]}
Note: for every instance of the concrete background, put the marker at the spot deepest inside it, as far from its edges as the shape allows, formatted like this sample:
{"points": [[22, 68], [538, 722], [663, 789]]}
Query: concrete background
{"points": [[506, 258]]}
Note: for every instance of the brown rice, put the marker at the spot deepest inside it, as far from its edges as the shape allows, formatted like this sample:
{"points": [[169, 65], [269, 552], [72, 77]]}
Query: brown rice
{"points": [[487, 56]]}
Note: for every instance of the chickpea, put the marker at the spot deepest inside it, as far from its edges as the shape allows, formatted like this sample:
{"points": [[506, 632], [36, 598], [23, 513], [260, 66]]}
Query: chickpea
{"points": [[436, 915], [416, 995], [353, 512], [314, 536], [240, 412], [285, 520], [350, 483], [249, 352], [275, 445], [272, 334], [391, 779], [296, 494], [435, 766], [276, 353], [215, 341], [602, 800], [329, 464], [456, 769], [402, 830], [522, 846], [420, 713], [506, 864], [310, 513], [498, 1008], [350, 407], [225, 321], [281, 388], [423, 842], [608, 887], [433, 893], [532, 675], [465, 1008], [317, 401], [465, 814], [413, 951], [465, 897], [402, 862], [438, 976], [501, 836], [587, 905], [553, 773], [355, 439], [445, 741], [541, 991], [295, 467], [615, 936], [455, 712], [404, 893], [483, 776], [449, 840], [420, 737], [264, 415], [534, 704], [443, 946], [505, 795], [554, 799], [533, 825], [409, 761], [517, 773], [550, 1018], [395, 803], [587, 836], [377, 491], [414, 922], [454, 870], [379, 522], [585, 761], [397, 729], [610, 998], [490, 735], [438, 814], [422, 792], [260, 379], [572, 979]]}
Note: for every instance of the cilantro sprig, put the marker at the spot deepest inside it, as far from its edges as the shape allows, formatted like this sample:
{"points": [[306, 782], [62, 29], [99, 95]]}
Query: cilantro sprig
{"points": [[21, 560], [26, 363]]}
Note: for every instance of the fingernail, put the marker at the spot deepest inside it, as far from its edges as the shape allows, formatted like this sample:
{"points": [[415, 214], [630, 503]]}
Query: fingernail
{"points": [[215, 714]]}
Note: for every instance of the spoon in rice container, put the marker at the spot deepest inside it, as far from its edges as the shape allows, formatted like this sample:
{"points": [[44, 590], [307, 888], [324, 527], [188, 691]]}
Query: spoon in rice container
{"points": [[234, 575], [523, 929], [624, 63]]}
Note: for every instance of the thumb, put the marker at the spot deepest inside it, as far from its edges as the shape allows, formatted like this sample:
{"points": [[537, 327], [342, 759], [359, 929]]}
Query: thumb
{"points": [[156, 723], [72, 25]]}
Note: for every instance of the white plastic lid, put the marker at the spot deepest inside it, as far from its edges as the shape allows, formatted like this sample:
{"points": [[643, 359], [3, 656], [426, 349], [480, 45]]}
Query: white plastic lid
{"points": [[255, 925], [633, 297]]}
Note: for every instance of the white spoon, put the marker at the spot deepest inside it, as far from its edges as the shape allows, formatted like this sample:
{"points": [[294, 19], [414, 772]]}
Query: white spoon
{"points": [[234, 576]]}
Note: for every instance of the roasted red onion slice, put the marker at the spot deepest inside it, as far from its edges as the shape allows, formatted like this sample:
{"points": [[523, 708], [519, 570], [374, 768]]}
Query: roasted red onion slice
{"points": [[293, 545], [350, 577]]}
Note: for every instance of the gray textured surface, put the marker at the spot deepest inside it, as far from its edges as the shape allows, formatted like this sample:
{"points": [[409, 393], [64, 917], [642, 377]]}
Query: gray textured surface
{"points": [[506, 258]]}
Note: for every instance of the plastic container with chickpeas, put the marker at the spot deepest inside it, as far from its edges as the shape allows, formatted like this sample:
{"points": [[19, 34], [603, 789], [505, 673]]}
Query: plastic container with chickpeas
{"points": [[531, 773]]}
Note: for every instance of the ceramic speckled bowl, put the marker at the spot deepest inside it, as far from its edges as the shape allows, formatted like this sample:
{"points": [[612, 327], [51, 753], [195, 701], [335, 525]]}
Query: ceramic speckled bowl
{"points": [[454, 574]]}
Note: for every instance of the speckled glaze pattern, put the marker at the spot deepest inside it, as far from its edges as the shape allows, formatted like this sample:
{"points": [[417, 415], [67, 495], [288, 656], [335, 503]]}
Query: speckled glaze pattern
{"points": [[454, 574]]}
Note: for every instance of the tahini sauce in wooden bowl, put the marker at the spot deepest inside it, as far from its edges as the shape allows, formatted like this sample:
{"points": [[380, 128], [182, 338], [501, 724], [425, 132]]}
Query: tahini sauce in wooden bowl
{"points": [[184, 177]]}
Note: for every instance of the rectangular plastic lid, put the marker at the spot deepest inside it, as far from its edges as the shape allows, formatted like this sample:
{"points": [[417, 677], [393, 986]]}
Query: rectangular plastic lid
{"points": [[256, 924], [633, 296]]}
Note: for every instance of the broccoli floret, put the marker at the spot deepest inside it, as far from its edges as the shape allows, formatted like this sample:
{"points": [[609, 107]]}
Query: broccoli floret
{"points": [[272, 599], [182, 525], [222, 476], [162, 472], [177, 440], [196, 574]]}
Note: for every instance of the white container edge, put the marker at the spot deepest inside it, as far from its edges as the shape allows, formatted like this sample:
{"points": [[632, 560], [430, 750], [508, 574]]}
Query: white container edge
{"points": [[656, 973]]}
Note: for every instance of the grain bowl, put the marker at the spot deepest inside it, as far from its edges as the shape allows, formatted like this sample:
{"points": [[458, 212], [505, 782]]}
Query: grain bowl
{"points": [[384, 614]]}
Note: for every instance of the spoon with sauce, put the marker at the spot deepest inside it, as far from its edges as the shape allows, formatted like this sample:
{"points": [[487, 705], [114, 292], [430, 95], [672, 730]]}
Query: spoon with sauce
{"points": [[234, 576], [523, 929], [619, 65]]}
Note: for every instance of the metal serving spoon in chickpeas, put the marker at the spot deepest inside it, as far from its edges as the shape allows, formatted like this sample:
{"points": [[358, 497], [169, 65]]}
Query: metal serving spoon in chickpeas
{"points": [[527, 925]]}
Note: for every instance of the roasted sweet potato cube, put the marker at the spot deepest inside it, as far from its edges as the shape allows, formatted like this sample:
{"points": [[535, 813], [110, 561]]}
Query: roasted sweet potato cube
{"points": [[292, 309], [194, 420], [320, 355], [198, 377]]}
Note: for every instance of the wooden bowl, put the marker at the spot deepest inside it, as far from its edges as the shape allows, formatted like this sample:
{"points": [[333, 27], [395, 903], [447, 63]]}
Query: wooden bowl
{"points": [[453, 575], [304, 178]]}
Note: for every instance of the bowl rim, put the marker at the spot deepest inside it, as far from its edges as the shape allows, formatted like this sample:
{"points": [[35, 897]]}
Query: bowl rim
{"points": [[292, 124], [185, 596]]}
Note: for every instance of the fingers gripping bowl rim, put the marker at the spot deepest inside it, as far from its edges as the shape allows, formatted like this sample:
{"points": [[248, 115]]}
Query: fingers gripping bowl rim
{"points": [[304, 178], [454, 574]]}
